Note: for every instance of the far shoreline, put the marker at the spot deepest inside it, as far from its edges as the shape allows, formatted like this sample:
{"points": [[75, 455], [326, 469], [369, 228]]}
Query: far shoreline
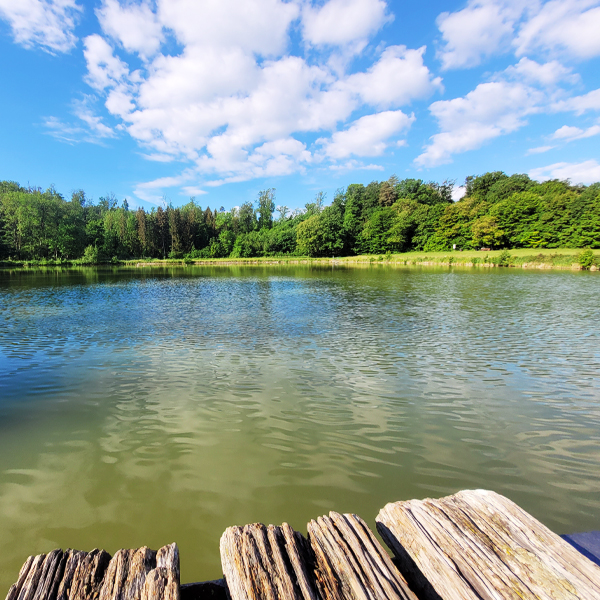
{"points": [[523, 258]]}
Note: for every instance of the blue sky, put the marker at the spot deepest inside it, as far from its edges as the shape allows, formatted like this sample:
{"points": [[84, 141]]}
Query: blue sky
{"points": [[218, 99]]}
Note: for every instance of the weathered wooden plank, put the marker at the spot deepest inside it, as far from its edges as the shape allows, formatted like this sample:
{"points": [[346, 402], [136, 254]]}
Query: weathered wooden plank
{"points": [[34, 573], [479, 545], [160, 583], [115, 577], [126, 574], [266, 563], [88, 576], [52, 573], [298, 551], [351, 564], [74, 557], [516, 526], [74, 575]]}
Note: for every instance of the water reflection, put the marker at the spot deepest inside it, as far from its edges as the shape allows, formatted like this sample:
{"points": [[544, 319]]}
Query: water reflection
{"points": [[142, 408]]}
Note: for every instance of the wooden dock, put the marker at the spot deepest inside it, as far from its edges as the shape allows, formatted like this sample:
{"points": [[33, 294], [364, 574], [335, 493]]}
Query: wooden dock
{"points": [[474, 545]]}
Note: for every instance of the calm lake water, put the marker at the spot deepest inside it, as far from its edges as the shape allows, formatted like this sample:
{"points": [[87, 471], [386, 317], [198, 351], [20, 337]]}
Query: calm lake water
{"points": [[141, 407]]}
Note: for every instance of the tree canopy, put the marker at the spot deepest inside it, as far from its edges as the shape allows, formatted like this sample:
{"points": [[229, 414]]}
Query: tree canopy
{"points": [[497, 211]]}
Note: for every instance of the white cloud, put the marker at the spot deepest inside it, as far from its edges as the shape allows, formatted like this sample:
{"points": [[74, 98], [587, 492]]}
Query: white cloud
{"points": [[478, 31], [458, 192], [198, 75], [569, 133], [586, 172], [563, 26], [397, 78], [94, 123], [354, 165], [579, 104], [539, 150], [490, 110], [104, 69], [547, 74], [192, 190], [45, 23], [255, 26], [340, 22], [367, 136], [485, 28], [135, 26], [89, 128], [150, 191]]}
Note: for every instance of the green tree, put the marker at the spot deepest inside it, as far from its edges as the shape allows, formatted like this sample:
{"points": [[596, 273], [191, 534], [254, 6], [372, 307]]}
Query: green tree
{"points": [[266, 207], [486, 232], [517, 216], [480, 185], [247, 218], [373, 238]]}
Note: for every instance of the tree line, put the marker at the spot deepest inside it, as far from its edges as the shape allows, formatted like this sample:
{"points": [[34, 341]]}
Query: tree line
{"points": [[497, 211]]}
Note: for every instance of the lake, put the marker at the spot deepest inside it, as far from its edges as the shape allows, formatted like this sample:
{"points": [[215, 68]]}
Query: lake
{"points": [[146, 406]]}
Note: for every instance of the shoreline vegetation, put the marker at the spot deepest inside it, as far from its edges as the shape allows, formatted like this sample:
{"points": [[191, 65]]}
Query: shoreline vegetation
{"points": [[560, 258], [500, 221]]}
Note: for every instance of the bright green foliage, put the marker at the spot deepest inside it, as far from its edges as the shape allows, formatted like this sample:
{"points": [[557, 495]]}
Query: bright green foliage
{"points": [[497, 211], [425, 193], [309, 236], [373, 239], [507, 186], [247, 218], [505, 259], [370, 199], [517, 216], [486, 232], [454, 226], [586, 258], [480, 185], [266, 207]]}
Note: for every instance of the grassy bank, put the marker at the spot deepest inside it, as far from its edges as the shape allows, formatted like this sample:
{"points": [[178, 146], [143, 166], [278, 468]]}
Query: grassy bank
{"points": [[562, 258]]}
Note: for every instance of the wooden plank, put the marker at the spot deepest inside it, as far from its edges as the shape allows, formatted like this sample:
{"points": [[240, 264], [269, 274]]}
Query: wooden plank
{"points": [[52, 573], [351, 563], [88, 576], [74, 557], [266, 563], [478, 545], [34, 573], [74, 575], [128, 571]]}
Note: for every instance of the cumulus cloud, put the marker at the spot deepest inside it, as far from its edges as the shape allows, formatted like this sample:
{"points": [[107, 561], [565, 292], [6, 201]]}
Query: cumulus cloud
{"points": [[340, 22], [134, 26], [398, 77], [104, 68], [480, 30], [484, 28], [586, 172], [490, 110], [367, 136], [546, 74], [563, 26], [48, 24], [569, 133], [579, 104], [233, 101], [539, 150], [254, 26]]}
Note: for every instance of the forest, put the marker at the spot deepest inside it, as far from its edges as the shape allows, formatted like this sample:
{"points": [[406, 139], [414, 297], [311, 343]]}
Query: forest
{"points": [[497, 211]]}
